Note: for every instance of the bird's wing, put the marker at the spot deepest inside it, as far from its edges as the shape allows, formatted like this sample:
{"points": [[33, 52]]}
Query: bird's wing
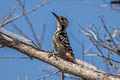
{"points": [[63, 38]]}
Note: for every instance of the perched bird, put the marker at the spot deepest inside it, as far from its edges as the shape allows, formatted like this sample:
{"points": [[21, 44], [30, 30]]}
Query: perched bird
{"points": [[61, 42]]}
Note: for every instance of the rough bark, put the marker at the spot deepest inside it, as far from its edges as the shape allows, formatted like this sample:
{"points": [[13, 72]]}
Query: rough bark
{"points": [[81, 70]]}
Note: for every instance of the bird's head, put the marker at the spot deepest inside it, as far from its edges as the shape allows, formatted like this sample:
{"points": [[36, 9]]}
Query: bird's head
{"points": [[61, 21]]}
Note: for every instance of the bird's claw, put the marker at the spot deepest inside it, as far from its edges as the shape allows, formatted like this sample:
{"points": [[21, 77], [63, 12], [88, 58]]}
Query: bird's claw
{"points": [[53, 54]]}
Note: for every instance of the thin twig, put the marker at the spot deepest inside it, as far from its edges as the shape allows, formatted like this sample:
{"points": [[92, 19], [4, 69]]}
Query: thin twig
{"points": [[101, 18], [10, 14], [20, 15], [30, 25], [74, 38], [62, 76], [110, 63], [83, 51], [53, 73], [14, 57], [43, 35], [101, 53], [19, 30], [66, 76]]}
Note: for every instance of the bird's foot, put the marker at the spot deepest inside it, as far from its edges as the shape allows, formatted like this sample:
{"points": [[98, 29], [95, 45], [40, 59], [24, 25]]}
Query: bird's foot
{"points": [[53, 54]]}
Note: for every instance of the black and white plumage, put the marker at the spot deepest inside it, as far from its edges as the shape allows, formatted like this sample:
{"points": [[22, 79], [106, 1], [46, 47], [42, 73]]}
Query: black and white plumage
{"points": [[61, 42]]}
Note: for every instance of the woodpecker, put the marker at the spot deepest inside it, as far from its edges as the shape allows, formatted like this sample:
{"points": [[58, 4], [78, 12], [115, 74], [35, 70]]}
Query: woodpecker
{"points": [[61, 42]]}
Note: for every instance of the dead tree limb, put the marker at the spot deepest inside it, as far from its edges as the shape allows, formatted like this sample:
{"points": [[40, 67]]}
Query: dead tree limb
{"points": [[81, 70]]}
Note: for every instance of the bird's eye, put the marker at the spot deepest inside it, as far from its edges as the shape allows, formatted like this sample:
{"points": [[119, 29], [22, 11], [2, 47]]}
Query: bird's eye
{"points": [[66, 19], [62, 18]]}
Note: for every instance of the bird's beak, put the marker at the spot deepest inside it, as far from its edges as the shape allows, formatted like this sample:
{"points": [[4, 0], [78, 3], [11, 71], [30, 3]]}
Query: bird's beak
{"points": [[56, 16]]}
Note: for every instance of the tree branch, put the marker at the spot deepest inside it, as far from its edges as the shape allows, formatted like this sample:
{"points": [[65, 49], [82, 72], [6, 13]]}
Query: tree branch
{"points": [[81, 70], [22, 14]]}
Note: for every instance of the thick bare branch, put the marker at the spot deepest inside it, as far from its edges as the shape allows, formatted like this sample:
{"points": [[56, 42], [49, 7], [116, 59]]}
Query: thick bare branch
{"points": [[80, 70]]}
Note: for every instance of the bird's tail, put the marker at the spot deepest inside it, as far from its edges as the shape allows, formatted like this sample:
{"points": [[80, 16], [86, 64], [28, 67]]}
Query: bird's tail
{"points": [[70, 58]]}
